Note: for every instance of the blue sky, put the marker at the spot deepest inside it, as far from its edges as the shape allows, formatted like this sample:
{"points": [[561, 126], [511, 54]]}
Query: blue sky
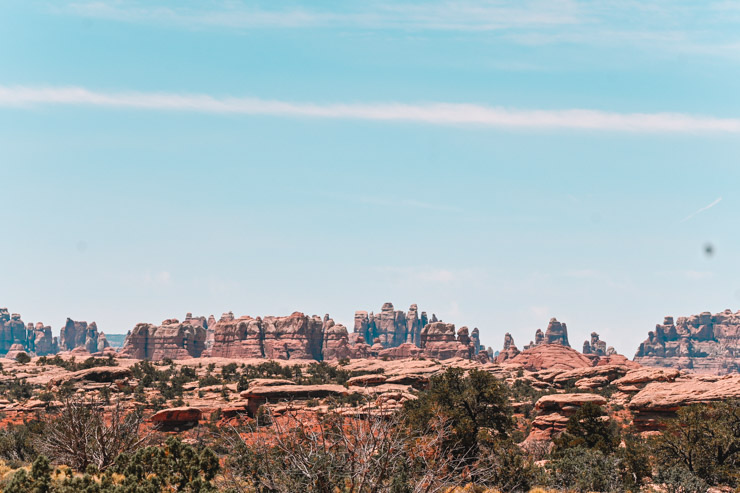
{"points": [[498, 163]]}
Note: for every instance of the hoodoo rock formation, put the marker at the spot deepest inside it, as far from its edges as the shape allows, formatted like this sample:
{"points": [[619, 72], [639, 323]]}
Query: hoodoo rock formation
{"points": [[391, 327], [438, 341], [81, 335], [704, 343], [391, 334], [552, 350], [172, 340], [31, 339], [509, 351]]}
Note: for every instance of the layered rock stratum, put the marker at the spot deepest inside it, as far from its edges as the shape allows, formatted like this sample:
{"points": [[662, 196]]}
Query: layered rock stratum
{"points": [[703, 343], [391, 334]]}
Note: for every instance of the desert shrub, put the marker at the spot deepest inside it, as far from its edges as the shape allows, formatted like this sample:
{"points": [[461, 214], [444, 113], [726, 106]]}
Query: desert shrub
{"points": [[635, 462], [228, 372], [505, 466], [243, 383], [351, 399], [334, 453], [209, 380], [188, 373], [23, 358], [590, 427], [18, 442], [82, 435], [704, 439], [582, 469], [678, 479], [17, 389], [72, 365], [270, 369], [173, 467], [469, 404], [39, 480]]}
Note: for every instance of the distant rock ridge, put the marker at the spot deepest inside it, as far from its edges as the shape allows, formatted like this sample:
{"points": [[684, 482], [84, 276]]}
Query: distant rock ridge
{"points": [[391, 334], [37, 339], [706, 343]]}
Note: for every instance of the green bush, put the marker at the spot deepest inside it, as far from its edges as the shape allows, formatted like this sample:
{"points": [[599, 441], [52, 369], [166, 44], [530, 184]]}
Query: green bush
{"points": [[468, 403], [23, 358], [582, 469], [590, 427], [678, 479], [705, 440]]}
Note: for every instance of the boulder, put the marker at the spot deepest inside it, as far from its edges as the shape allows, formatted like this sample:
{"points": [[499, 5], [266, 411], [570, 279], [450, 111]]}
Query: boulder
{"points": [[176, 418]]}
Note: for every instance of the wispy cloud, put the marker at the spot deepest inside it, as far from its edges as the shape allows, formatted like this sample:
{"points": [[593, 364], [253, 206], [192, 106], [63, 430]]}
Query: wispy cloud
{"points": [[444, 15], [429, 113], [699, 211], [707, 28]]}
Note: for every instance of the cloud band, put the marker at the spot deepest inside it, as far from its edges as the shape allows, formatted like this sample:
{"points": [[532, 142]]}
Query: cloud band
{"points": [[430, 113]]}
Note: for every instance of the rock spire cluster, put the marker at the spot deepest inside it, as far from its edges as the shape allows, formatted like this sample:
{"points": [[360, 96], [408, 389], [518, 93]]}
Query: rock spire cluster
{"points": [[707, 343]]}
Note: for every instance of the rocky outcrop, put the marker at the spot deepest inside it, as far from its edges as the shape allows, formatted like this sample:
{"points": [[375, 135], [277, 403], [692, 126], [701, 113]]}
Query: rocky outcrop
{"points": [[509, 351], [100, 374], [554, 412], [548, 356], [15, 351], [556, 333], [12, 330], [297, 336], [172, 340], [596, 346], [659, 400], [40, 340], [336, 341], [438, 341], [704, 343], [394, 335], [81, 335], [404, 351], [33, 339], [237, 337], [258, 395], [176, 418], [392, 327], [551, 349]]}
